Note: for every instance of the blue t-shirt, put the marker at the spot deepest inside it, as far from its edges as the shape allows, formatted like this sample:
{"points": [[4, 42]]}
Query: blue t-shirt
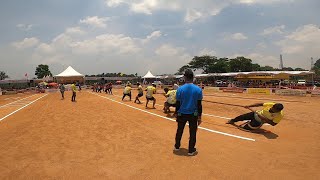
{"points": [[188, 95]]}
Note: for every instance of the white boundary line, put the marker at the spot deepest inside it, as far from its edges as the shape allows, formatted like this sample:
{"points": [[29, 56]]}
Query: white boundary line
{"points": [[17, 100], [22, 107], [170, 119]]}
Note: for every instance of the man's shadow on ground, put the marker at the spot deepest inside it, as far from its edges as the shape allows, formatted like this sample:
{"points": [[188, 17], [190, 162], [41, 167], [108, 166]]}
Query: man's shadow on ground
{"points": [[266, 133], [183, 152]]}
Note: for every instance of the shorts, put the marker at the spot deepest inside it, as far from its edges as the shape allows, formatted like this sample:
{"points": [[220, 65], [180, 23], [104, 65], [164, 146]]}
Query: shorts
{"points": [[150, 99], [169, 105], [140, 94]]}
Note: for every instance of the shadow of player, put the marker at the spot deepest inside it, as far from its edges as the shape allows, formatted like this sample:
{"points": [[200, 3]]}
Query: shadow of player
{"points": [[268, 134], [183, 152]]}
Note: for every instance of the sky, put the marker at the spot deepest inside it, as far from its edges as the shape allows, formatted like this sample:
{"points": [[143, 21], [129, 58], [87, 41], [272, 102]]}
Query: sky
{"points": [[134, 36]]}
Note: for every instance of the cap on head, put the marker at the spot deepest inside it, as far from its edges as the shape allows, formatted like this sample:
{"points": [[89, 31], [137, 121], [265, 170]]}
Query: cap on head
{"points": [[188, 74]]}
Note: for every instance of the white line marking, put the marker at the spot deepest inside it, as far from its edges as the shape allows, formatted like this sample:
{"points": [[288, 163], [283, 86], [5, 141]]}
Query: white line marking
{"points": [[170, 119], [18, 100], [22, 107]]}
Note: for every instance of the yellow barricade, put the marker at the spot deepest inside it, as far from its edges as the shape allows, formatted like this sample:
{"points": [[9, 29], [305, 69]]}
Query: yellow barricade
{"points": [[258, 91]]}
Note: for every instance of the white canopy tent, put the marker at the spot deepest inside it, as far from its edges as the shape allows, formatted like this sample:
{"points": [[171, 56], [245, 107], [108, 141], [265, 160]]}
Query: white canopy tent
{"points": [[69, 75], [149, 75]]}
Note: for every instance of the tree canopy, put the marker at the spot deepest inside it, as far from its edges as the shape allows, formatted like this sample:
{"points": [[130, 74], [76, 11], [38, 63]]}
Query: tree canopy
{"points": [[113, 75], [3, 75], [42, 70], [316, 67], [212, 64]]}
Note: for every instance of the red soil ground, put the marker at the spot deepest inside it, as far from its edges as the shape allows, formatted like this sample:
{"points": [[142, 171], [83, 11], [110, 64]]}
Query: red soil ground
{"points": [[96, 138]]}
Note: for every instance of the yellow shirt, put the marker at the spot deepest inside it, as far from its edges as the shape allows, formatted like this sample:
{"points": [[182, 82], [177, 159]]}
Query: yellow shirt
{"points": [[73, 88], [171, 97], [275, 117], [150, 91], [140, 90], [127, 90]]}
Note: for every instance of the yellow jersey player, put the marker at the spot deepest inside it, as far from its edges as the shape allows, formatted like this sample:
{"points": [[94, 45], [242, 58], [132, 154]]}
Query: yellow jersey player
{"points": [[150, 91], [127, 91]]}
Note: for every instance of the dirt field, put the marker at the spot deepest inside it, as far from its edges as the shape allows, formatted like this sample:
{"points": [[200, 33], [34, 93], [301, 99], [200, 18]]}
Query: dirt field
{"points": [[100, 137]]}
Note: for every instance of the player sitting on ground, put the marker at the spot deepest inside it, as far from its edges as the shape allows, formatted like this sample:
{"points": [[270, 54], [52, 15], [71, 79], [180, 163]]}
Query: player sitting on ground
{"points": [[271, 113], [150, 91], [171, 99]]}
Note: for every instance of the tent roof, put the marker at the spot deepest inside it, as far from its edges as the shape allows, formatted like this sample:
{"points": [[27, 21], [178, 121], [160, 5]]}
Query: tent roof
{"points": [[149, 75], [69, 72], [262, 72]]}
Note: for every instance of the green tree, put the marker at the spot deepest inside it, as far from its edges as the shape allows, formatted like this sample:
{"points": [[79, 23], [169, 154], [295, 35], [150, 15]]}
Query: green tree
{"points": [[317, 64], [256, 67], [240, 64], [316, 68], [3, 75], [219, 66], [182, 69], [203, 62], [299, 69], [42, 70], [266, 68], [287, 69]]}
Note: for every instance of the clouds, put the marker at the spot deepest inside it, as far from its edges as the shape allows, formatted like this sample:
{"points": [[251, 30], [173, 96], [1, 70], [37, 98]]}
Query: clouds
{"points": [[161, 35], [25, 27], [274, 30], [193, 10], [95, 21], [117, 44], [26, 43], [153, 36], [207, 51], [305, 40], [238, 36], [75, 31], [192, 15]]}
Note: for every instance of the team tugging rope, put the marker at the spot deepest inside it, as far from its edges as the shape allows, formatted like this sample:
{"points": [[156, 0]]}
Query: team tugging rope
{"points": [[224, 103]]}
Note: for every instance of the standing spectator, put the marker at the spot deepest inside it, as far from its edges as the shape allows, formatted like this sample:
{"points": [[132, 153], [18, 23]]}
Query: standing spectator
{"points": [[62, 89], [189, 109], [79, 85], [110, 88], [74, 92]]}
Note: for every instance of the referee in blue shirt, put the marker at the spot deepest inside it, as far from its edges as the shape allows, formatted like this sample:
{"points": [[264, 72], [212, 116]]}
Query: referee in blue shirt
{"points": [[189, 109]]}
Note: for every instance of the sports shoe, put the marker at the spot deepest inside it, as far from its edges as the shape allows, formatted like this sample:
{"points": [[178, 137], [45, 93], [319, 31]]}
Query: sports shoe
{"points": [[176, 149], [231, 121], [192, 153]]}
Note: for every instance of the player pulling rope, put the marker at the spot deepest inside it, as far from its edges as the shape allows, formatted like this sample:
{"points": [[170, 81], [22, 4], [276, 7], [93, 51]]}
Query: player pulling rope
{"points": [[272, 113]]}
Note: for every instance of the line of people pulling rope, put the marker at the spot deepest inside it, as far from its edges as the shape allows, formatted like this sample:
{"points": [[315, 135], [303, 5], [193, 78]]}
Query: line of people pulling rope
{"points": [[150, 91], [187, 101]]}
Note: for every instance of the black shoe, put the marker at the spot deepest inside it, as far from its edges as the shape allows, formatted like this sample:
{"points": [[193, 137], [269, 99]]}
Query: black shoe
{"points": [[231, 121], [194, 152]]}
